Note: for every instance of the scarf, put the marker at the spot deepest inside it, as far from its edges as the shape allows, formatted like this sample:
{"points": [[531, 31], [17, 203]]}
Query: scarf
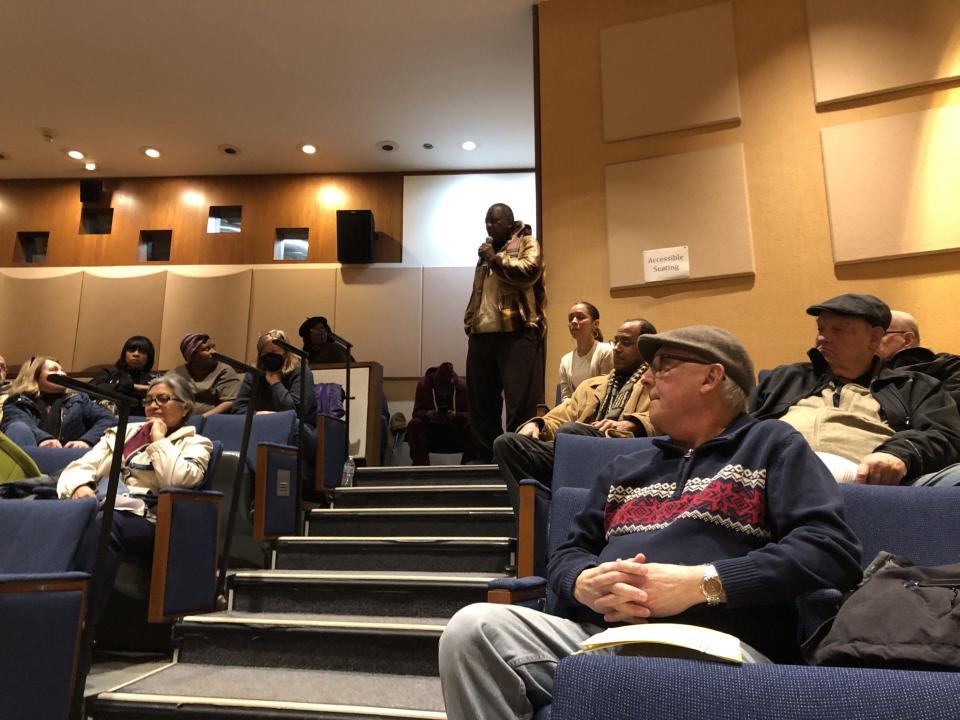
{"points": [[611, 408]]}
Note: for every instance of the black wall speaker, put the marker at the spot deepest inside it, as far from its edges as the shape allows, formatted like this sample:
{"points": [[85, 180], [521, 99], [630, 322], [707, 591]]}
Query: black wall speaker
{"points": [[91, 190], [355, 236]]}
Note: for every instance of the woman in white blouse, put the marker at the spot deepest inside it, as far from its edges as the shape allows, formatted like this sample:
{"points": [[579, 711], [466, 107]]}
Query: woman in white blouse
{"points": [[592, 356]]}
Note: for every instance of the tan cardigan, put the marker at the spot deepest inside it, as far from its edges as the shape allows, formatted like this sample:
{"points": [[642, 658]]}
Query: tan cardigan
{"points": [[586, 400]]}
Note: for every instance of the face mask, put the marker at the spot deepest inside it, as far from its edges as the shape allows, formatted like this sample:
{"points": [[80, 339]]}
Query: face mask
{"points": [[272, 362]]}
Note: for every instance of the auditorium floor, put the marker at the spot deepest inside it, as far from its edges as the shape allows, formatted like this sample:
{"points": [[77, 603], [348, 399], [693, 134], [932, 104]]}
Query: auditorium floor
{"points": [[118, 669]]}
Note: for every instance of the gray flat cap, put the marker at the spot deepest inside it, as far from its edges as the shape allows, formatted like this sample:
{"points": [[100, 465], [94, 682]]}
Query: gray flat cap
{"points": [[709, 343]]}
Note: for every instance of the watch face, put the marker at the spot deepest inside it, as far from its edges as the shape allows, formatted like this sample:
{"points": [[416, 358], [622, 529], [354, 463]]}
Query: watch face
{"points": [[712, 587]]}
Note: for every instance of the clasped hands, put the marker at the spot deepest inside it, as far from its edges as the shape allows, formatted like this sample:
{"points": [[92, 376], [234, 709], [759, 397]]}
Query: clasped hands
{"points": [[623, 427], [632, 590]]}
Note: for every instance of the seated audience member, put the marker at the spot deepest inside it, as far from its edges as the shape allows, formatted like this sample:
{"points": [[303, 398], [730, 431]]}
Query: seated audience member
{"points": [[4, 385], [591, 357], [214, 385], [315, 332], [441, 421], [613, 405], [722, 524], [280, 386], [900, 349], [869, 424], [132, 372], [37, 412], [160, 453]]}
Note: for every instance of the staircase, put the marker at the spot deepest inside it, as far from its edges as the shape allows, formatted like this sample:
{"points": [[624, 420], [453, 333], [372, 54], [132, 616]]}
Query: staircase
{"points": [[346, 621]]}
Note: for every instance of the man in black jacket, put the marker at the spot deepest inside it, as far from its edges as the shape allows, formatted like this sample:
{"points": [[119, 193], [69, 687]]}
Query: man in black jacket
{"points": [[870, 424], [900, 348]]}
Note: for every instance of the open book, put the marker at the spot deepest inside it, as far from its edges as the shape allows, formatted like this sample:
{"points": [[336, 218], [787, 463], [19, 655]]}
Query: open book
{"points": [[667, 640]]}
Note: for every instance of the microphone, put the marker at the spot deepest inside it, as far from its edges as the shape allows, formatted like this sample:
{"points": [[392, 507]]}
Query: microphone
{"points": [[341, 341], [240, 367], [291, 348]]}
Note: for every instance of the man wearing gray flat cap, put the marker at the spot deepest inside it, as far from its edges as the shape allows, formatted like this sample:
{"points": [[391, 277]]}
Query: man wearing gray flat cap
{"points": [[723, 523], [868, 423]]}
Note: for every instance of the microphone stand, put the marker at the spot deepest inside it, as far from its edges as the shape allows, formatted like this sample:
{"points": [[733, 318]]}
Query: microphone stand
{"points": [[348, 346], [123, 403], [301, 416], [238, 476]]}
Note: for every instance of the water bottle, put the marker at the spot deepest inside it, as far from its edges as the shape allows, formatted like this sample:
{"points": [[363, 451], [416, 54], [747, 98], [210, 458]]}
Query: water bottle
{"points": [[349, 469]]}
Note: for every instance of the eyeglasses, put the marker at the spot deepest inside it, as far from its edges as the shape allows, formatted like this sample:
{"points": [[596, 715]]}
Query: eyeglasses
{"points": [[622, 341], [657, 368], [160, 400]]}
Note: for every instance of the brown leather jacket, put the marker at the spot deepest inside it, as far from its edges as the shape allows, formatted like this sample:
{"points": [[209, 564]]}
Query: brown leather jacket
{"points": [[508, 292]]}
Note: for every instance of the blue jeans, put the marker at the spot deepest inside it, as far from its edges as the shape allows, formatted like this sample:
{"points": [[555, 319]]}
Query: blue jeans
{"points": [[21, 433], [948, 477]]}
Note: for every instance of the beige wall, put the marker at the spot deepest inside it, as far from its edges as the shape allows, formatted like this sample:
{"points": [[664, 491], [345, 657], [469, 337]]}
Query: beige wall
{"points": [[787, 198]]}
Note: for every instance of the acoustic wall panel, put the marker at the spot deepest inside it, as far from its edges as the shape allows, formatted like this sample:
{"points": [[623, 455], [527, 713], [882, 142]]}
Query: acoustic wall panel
{"points": [[218, 305], [697, 199], [669, 73], [113, 309], [862, 47], [892, 185], [445, 295], [39, 317], [379, 310], [283, 298]]}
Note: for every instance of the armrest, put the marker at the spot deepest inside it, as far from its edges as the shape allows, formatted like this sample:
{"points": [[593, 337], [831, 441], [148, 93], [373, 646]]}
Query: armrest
{"points": [[517, 591], [186, 544], [532, 528], [275, 491], [331, 433]]}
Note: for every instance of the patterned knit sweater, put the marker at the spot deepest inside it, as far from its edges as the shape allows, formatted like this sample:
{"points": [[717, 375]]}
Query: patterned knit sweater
{"points": [[754, 501]]}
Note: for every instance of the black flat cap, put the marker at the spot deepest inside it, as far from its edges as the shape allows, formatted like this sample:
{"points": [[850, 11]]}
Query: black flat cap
{"points": [[870, 308]]}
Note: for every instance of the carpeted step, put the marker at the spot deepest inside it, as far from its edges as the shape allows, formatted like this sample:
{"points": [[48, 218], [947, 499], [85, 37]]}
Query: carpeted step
{"points": [[409, 594], [425, 554], [427, 475], [390, 522], [189, 690], [430, 495], [383, 645]]}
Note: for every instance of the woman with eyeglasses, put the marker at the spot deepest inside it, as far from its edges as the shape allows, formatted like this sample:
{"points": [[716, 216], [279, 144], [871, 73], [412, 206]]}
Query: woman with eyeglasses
{"points": [[132, 372], [591, 357], [162, 452], [40, 413], [214, 384]]}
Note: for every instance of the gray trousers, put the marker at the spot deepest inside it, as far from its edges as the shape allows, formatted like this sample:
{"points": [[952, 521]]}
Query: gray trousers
{"points": [[498, 661]]}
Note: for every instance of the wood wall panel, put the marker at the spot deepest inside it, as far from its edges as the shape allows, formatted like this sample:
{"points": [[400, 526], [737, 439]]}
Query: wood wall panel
{"points": [[697, 199], [113, 309], [863, 47], [445, 295], [892, 185], [182, 205], [39, 317], [379, 311], [669, 73], [218, 305], [285, 297]]}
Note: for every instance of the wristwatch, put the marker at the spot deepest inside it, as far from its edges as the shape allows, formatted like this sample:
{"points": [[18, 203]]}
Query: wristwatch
{"points": [[712, 587]]}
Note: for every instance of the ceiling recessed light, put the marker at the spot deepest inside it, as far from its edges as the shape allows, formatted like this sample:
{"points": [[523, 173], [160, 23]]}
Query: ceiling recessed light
{"points": [[151, 152], [428, 146], [388, 145], [308, 149], [229, 149], [90, 166], [468, 145], [75, 154]]}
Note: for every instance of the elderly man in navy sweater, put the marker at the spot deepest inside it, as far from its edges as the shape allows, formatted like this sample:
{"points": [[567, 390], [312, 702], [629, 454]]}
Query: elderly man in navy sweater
{"points": [[723, 524]]}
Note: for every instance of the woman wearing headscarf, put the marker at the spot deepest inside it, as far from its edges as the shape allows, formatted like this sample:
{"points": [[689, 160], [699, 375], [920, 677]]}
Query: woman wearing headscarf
{"points": [[214, 385]]}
